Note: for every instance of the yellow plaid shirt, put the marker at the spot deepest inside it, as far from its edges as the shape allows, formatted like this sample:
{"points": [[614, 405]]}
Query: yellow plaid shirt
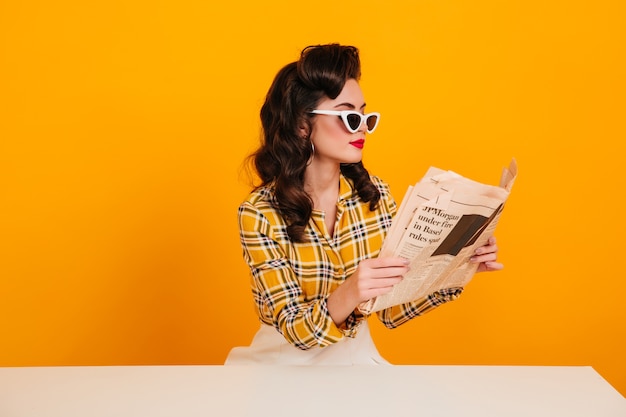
{"points": [[292, 281]]}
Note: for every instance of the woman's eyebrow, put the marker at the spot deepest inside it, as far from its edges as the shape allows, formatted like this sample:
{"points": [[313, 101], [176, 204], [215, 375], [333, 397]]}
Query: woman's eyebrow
{"points": [[350, 105]]}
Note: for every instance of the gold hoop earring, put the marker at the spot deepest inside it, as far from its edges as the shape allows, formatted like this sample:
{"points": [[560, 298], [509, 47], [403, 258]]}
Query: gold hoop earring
{"points": [[312, 154]]}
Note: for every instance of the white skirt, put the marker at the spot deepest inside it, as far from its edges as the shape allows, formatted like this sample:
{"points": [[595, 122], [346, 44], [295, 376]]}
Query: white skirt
{"points": [[269, 347]]}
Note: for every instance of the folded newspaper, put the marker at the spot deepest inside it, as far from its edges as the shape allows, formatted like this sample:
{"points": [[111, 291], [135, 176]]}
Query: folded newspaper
{"points": [[439, 224]]}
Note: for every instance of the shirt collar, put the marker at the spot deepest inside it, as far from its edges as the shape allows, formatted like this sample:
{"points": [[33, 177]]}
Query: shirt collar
{"points": [[346, 189]]}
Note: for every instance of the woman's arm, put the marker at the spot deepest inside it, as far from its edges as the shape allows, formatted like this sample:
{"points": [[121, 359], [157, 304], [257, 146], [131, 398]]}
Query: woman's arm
{"points": [[304, 320], [372, 278]]}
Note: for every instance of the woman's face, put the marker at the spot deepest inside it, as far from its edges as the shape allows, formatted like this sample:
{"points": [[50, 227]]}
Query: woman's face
{"points": [[332, 140]]}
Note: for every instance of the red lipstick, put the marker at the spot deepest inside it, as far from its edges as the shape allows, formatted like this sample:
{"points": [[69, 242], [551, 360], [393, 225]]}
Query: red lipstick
{"points": [[358, 143]]}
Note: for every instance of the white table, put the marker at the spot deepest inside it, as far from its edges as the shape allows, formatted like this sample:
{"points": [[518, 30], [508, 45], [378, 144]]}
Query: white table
{"points": [[219, 391]]}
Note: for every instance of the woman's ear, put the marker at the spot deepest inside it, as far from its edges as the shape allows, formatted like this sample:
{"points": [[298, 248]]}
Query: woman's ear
{"points": [[304, 128]]}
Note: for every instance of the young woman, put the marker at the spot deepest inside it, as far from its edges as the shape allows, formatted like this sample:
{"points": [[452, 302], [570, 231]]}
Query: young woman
{"points": [[312, 230]]}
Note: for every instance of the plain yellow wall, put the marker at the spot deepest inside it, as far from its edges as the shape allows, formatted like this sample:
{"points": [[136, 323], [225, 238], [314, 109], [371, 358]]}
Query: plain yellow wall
{"points": [[123, 125]]}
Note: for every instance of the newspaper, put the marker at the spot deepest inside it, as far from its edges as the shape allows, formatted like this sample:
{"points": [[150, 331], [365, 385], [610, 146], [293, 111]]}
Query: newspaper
{"points": [[440, 222]]}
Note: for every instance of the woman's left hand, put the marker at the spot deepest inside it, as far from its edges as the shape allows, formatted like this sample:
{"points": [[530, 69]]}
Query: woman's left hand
{"points": [[486, 257]]}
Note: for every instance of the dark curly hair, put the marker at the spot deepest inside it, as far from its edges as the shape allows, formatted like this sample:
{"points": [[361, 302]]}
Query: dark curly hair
{"points": [[321, 71]]}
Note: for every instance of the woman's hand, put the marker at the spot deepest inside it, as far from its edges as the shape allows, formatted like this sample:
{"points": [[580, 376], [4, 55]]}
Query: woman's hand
{"points": [[486, 257], [373, 277]]}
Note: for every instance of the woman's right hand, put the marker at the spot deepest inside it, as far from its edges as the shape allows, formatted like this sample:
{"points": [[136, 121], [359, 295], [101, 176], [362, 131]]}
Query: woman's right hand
{"points": [[373, 277]]}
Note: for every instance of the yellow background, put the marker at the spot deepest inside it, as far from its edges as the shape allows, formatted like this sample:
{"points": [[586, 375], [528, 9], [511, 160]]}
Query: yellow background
{"points": [[123, 125]]}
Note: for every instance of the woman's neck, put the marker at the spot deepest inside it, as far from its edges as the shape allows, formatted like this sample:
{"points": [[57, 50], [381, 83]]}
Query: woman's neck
{"points": [[322, 184]]}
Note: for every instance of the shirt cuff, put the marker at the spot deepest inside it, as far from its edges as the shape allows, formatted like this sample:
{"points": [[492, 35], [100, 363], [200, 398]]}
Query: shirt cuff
{"points": [[351, 325], [445, 295]]}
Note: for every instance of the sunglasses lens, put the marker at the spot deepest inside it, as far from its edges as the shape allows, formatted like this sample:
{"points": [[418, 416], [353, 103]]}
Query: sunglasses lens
{"points": [[371, 122], [354, 121]]}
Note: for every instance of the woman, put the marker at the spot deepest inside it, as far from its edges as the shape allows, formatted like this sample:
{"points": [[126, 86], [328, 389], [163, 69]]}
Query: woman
{"points": [[312, 230]]}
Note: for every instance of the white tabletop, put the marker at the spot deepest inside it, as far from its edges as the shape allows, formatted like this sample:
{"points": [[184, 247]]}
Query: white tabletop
{"points": [[307, 391]]}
